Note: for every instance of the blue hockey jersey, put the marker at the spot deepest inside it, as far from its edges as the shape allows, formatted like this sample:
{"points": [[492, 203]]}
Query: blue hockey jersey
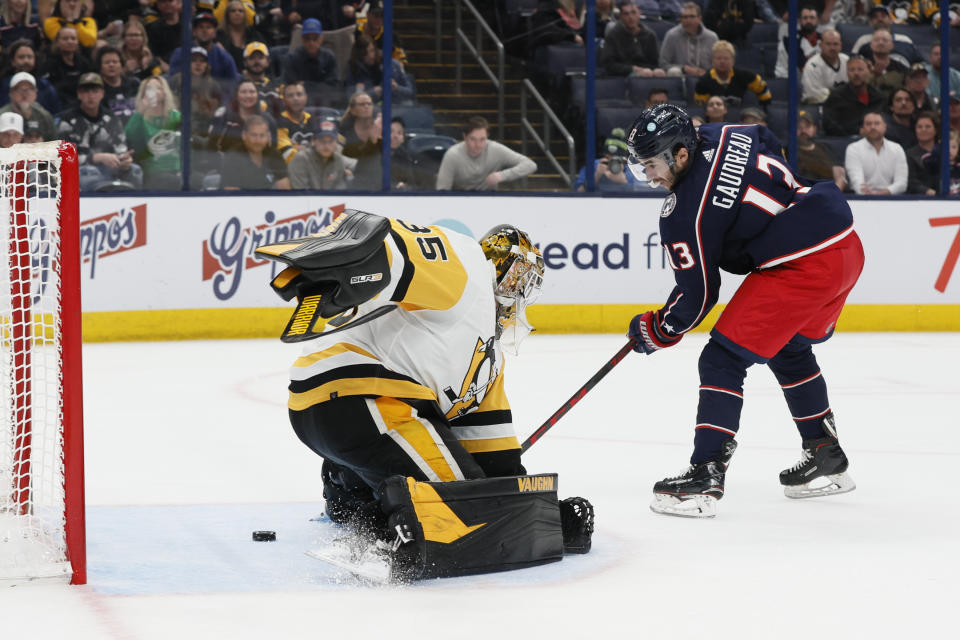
{"points": [[740, 208]]}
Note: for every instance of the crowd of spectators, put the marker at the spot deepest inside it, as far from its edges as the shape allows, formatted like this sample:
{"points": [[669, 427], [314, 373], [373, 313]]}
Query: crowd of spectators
{"points": [[270, 82], [862, 99]]}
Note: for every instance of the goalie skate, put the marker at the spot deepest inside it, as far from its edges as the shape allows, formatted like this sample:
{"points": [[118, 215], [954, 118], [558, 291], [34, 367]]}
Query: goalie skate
{"points": [[370, 561]]}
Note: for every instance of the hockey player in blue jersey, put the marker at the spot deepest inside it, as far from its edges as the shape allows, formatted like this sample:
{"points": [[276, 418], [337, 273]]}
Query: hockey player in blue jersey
{"points": [[734, 205]]}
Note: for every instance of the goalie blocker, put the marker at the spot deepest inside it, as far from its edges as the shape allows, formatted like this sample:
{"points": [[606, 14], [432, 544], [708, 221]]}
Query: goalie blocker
{"points": [[468, 527]]}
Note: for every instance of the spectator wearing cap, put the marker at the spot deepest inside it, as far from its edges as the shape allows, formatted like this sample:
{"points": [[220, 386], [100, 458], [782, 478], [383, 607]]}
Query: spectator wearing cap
{"points": [[899, 118], [480, 164], [844, 108], [11, 129], [610, 172], [235, 33], [120, 89], [631, 49], [815, 159], [916, 83], [293, 125], [726, 80], [314, 65], [256, 64], [102, 153], [222, 67], [825, 70], [927, 132], [206, 94], [320, 166], [875, 165], [687, 47], [903, 51], [23, 100], [808, 41], [66, 64], [164, 32], [933, 76], [258, 166], [365, 73], [887, 73], [753, 115], [22, 56]]}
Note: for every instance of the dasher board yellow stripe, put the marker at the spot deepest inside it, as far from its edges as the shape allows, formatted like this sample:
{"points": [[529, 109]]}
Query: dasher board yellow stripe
{"points": [[214, 324]]}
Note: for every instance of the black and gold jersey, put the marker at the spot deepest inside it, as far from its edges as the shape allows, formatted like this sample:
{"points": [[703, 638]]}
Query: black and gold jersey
{"points": [[438, 345]]}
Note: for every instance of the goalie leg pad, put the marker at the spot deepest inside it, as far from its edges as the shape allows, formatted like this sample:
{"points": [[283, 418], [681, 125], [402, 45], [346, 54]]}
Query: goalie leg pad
{"points": [[472, 526]]}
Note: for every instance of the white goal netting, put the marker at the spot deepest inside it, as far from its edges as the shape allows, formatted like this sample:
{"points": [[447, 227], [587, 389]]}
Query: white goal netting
{"points": [[32, 494]]}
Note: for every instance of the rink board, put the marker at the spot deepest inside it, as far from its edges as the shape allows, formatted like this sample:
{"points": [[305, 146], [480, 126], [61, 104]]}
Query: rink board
{"points": [[184, 267]]}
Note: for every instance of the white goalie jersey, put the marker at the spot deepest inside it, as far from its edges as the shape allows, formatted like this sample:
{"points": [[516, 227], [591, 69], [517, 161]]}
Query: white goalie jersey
{"points": [[438, 344]]}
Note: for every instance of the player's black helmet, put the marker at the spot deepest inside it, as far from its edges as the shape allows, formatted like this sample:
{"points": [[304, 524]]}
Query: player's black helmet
{"points": [[661, 128]]}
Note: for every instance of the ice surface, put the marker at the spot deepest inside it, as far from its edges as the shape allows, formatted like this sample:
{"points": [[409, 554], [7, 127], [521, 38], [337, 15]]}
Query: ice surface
{"points": [[189, 451]]}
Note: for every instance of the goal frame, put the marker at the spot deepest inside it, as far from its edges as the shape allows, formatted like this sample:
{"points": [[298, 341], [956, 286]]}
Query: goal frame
{"points": [[23, 338]]}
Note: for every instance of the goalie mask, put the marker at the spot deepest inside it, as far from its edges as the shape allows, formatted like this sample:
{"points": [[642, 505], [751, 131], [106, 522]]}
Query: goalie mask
{"points": [[519, 277]]}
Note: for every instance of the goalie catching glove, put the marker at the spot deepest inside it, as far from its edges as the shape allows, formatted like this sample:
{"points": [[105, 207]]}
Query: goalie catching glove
{"points": [[648, 333]]}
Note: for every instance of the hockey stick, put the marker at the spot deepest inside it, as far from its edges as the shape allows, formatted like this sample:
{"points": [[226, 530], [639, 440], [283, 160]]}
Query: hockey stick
{"points": [[575, 398]]}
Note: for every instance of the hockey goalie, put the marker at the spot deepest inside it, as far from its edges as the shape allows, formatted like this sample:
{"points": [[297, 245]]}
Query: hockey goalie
{"points": [[399, 388]]}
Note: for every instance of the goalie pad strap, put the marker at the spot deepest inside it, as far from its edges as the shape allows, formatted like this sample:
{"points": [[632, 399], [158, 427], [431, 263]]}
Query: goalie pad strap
{"points": [[473, 526]]}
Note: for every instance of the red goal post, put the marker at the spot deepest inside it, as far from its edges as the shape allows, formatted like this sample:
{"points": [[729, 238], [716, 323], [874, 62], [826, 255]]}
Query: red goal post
{"points": [[42, 530]]}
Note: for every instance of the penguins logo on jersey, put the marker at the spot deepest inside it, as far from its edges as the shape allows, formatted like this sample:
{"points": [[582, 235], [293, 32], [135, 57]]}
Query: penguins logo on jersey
{"points": [[669, 203], [473, 390]]}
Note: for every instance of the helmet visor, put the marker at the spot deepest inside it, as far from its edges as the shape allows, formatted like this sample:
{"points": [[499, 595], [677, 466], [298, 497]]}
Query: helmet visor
{"points": [[648, 170]]}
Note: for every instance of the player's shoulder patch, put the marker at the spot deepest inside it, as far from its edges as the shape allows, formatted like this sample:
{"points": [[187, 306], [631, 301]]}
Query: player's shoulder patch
{"points": [[708, 154], [669, 203]]}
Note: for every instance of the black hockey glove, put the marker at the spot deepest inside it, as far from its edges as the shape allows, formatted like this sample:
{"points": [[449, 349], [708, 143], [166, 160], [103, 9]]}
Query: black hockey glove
{"points": [[647, 334]]}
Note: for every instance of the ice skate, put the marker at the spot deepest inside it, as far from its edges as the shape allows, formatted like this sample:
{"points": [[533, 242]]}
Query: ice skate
{"points": [[694, 493], [368, 559], [821, 471]]}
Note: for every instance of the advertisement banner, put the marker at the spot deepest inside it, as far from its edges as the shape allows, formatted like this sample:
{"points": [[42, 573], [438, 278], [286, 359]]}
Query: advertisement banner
{"points": [[142, 254]]}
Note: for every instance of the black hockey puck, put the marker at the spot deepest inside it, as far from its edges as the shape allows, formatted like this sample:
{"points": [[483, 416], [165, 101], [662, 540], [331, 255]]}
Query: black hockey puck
{"points": [[265, 536]]}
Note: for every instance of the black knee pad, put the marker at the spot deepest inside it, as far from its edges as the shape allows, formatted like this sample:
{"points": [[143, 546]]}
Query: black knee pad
{"points": [[350, 501]]}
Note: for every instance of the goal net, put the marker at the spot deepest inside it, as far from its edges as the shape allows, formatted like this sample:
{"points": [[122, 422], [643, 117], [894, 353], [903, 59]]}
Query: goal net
{"points": [[41, 445]]}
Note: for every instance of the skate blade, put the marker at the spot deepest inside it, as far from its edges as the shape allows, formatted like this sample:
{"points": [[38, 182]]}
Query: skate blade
{"points": [[824, 486], [695, 506], [369, 567]]}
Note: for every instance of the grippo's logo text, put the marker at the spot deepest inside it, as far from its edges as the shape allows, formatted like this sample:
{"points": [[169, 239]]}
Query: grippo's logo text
{"points": [[229, 251], [113, 233]]}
